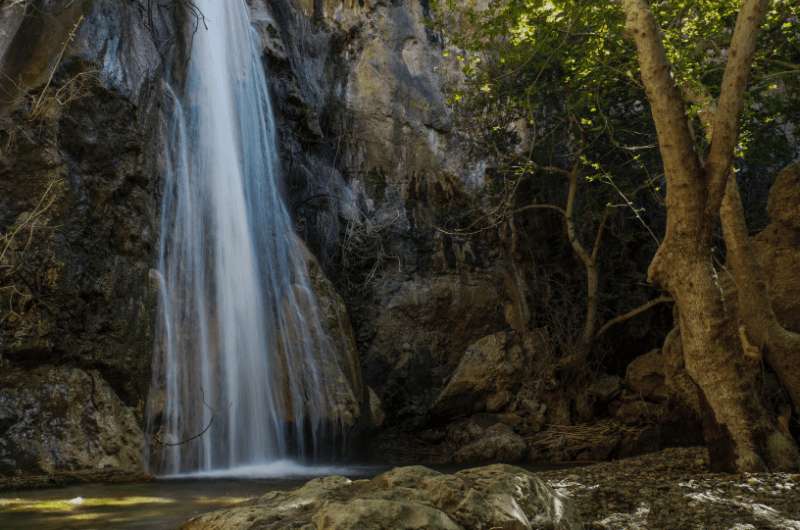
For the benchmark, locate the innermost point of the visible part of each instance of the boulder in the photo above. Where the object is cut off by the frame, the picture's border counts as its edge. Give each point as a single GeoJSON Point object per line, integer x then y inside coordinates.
{"type": "Point", "coordinates": [645, 376]}
{"type": "Point", "coordinates": [419, 331]}
{"type": "Point", "coordinates": [490, 372]}
{"type": "Point", "coordinates": [380, 513]}
{"type": "Point", "coordinates": [56, 419]}
{"type": "Point", "coordinates": [604, 388]}
{"type": "Point", "coordinates": [636, 411]}
{"type": "Point", "coordinates": [498, 443]}
{"type": "Point", "coordinates": [496, 496]}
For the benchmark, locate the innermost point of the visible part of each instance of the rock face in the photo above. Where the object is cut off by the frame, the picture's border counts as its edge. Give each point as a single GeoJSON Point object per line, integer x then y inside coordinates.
{"type": "Point", "coordinates": [497, 496]}
{"type": "Point", "coordinates": [343, 371]}
{"type": "Point", "coordinates": [82, 133]}
{"type": "Point", "coordinates": [64, 419]}
{"type": "Point", "coordinates": [373, 165]}
{"type": "Point", "coordinates": [420, 334]}
{"type": "Point", "coordinates": [777, 247]}
{"type": "Point", "coordinates": [79, 188]}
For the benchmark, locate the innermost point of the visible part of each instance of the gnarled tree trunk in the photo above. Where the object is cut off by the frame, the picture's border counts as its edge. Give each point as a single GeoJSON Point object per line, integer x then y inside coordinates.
{"type": "Point", "coordinates": [742, 434]}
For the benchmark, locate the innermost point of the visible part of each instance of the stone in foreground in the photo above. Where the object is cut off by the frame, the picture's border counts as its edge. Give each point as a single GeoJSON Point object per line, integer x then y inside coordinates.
{"type": "Point", "coordinates": [497, 496]}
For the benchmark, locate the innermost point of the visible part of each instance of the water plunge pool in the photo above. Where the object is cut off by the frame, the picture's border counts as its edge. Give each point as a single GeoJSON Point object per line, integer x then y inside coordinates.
{"type": "Point", "coordinates": [163, 503]}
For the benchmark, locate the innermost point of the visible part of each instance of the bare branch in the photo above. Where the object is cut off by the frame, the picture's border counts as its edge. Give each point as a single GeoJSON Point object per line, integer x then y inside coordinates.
{"type": "Point", "coordinates": [37, 104]}
{"type": "Point", "coordinates": [159, 441]}
{"type": "Point", "coordinates": [632, 313]}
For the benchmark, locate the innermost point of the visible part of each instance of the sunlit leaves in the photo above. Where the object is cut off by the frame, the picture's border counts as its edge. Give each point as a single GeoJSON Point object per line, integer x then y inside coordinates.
{"type": "Point", "coordinates": [567, 66]}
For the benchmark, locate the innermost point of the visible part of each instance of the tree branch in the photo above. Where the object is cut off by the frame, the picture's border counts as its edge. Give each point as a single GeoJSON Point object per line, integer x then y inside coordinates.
{"type": "Point", "coordinates": [725, 130]}
{"type": "Point", "coordinates": [632, 313]}
{"type": "Point", "coordinates": [681, 163]}
{"type": "Point", "coordinates": [572, 235]}
{"type": "Point", "coordinates": [600, 231]}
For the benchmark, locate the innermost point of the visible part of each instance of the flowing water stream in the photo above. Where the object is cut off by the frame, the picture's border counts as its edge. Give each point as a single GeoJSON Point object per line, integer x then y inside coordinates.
{"type": "Point", "coordinates": [237, 379]}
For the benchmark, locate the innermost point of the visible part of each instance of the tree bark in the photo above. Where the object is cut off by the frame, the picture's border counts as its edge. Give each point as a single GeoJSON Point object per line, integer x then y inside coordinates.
{"type": "Point", "coordinates": [725, 131]}
{"type": "Point", "coordinates": [589, 263]}
{"type": "Point", "coordinates": [757, 319]}
{"type": "Point", "coordinates": [741, 433]}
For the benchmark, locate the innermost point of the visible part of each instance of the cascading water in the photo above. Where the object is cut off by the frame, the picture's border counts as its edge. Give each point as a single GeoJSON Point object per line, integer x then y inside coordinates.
{"type": "Point", "coordinates": [238, 372]}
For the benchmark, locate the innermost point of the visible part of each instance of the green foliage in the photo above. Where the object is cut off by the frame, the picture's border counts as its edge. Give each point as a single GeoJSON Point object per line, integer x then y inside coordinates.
{"type": "Point", "coordinates": [556, 83]}
{"type": "Point", "coordinates": [563, 72]}
{"type": "Point", "coordinates": [553, 83]}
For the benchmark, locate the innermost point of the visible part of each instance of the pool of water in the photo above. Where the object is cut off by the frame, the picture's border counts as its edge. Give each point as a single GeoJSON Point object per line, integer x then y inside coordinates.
{"type": "Point", "coordinates": [160, 504]}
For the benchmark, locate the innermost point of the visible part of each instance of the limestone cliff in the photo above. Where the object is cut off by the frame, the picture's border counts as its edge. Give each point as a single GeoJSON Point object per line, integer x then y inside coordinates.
{"type": "Point", "coordinates": [453, 365]}
{"type": "Point", "coordinates": [368, 152]}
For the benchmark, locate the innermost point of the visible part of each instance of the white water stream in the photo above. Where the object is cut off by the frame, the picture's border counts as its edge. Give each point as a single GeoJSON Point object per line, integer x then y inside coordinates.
{"type": "Point", "coordinates": [237, 379]}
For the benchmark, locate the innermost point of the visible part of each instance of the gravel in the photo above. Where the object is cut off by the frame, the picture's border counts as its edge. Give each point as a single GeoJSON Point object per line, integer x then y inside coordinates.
{"type": "Point", "coordinates": [673, 489]}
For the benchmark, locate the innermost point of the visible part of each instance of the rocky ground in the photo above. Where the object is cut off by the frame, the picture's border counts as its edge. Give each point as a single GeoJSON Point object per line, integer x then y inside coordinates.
{"type": "Point", "coordinates": [668, 490]}
{"type": "Point", "coordinates": [673, 489]}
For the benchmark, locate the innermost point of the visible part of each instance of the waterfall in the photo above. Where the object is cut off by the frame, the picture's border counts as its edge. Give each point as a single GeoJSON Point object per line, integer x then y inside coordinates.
{"type": "Point", "coordinates": [237, 373]}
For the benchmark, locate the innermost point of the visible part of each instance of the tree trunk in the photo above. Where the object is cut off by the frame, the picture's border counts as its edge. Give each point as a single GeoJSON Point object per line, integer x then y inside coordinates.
{"type": "Point", "coordinates": [589, 262]}
{"type": "Point", "coordinates": [740, 431]}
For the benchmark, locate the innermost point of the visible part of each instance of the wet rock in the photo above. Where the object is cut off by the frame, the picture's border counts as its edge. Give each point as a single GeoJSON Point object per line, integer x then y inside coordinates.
{"type": "Point", "coordinates": [343, 372]}
{"type": "Point", "coordinates": [54, 420]}
{"type": "Point", "coordinates": [497, 496]}
{"type": "Point", "coordinates": [377, 415]}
